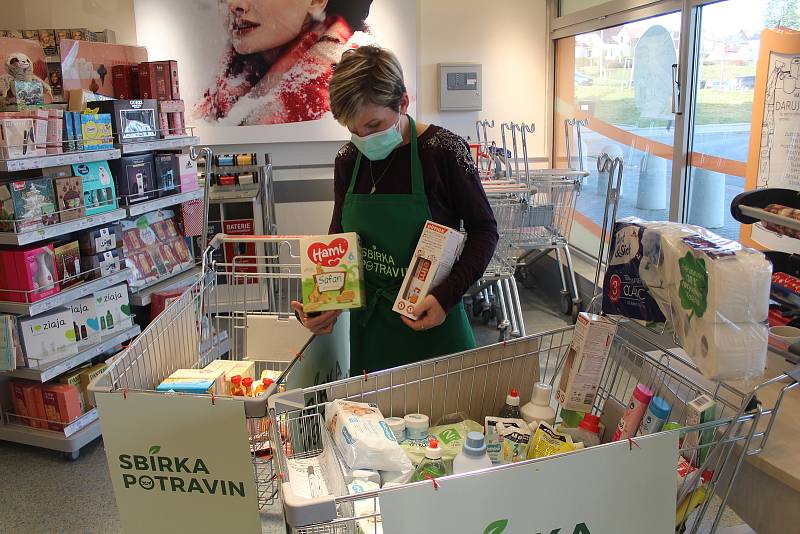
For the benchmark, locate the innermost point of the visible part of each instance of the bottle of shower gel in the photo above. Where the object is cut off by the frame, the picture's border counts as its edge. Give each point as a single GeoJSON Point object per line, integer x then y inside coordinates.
{"type": "Point", "coordinates": [511, 409]}
{"type": "Point", "coordinates": [632, 417]}
{"type": "Point", "coordinates": [432, 466]}
{"type": "Point", "coordinates": [539, 409]}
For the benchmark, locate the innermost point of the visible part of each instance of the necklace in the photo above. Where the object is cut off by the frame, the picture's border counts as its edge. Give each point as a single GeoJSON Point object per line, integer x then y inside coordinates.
{"type": "Point", "coordinates": [372, 177]}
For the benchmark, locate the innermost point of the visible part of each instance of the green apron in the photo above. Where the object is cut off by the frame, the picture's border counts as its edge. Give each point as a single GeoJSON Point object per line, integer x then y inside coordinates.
{"type": "Point", "coordinates": [389, 226]}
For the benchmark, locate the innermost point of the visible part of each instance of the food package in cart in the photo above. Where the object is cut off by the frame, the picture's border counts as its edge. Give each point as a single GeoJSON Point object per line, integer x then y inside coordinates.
{"type": "Point", "coordinates": [363, 438]}
{"type": "Point", "coordinates": [332, 272]}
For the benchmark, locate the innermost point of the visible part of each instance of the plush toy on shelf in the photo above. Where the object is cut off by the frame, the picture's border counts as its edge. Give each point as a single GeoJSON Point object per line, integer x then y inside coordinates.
{"type": "Point", "coordinates": [19, 78]}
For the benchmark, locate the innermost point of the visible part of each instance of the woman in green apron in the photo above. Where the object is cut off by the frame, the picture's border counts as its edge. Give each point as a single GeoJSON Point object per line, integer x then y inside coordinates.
{"type": "Point", "coordinates": [393, 176]}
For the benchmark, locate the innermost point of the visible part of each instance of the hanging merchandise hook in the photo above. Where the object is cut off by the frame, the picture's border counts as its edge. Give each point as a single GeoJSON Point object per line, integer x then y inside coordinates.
{"type": "Point", "coordinates": [505, 155]}
{"type": "Point", "coordinates": [612, 167]}
{"type": "Point", "coordinates": [577, 124]}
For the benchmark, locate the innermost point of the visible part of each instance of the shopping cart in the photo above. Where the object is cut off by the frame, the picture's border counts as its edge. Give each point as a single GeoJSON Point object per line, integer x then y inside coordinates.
{"type": "Point", "coordinates": [238, 308]}
{"type": "Point", "coordinates": [474, 384]}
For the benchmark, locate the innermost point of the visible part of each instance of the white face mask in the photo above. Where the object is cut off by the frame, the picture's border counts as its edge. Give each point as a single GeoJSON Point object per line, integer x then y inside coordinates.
{"type": "Point", "coordinates": [379, 145]}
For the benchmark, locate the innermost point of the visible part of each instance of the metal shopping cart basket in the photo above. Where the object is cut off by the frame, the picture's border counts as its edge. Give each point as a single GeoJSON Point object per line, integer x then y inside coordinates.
{"type": "Point", "coordinates": [239, 309]}
{"type": "Point", "coordinates": [475, 383]}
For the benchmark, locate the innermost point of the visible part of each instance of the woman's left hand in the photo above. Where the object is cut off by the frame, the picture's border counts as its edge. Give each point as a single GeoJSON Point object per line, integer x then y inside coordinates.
{"type": "Point", "coordinates": [430, 313]}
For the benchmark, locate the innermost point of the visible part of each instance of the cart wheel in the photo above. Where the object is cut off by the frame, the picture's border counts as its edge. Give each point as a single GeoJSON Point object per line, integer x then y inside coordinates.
{"type": "Point", "coordinates": [72, 456]}
{"type": "Point", "coordinates": [576, 309]}
{"type": "Point", "coordinates": [566, 302]}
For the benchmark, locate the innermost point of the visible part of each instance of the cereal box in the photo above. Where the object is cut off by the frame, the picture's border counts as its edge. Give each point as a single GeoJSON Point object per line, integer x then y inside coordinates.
{"type": "Point", "coordinates": [332, 272]}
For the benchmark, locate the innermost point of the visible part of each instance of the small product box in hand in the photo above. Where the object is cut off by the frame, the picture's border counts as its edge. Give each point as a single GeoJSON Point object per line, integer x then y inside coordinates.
{"type": "Point", "coordinates": [135, 178]}
{"type": "Point", "coordinates": [68, 264]}
{"type": "Point", "coordinates": [436, 252]}
{"type": "Point", "coordinates": [99, 194]}
{"type": "Point", "coordinates": [28, 274]}
{"type": "Point", "coordinates": [27, 205]}
{"type": "Point", "coordinates": [585, 361]}
{"type": "Point", "coordinates": [113, 308]}
{"type": "Point", "coordinates": [331, 268]}
{"type": "Point", "coordinates": [48, 336]}
{"type": "Point", "coordinates": [69, 196]}
{"type": "Point", "coordinates": [85, 322]}
{"type": "Point", "coordinates": [96, 131]}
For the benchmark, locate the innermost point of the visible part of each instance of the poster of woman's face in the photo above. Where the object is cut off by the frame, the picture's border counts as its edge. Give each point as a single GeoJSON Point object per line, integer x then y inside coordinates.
{"type": "Point", "coordinates": [258, 70]}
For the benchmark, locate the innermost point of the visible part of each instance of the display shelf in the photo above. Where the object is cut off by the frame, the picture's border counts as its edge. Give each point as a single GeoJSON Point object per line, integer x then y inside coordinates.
{"type": "Point", "coordinates": [63, 297]}
{"type": "Point", "coordinates": [141, 296]}
{"type": "Point", "coordinates": [236, 168]}
{"type": "Point", "coordinates": [56, 230]}
{"type": "Point", "coordinates": [83, 430]}
{"type": "Point", "coordinates": [51, 369]}
{"type": "Point", "coordinates": [161, 203]}
{"type": "Point", "coordinates": [219, 193]}
{"type": "Point", "coordinates": [54, 160]}
{"type": "Point", "coordinates": [159, 144]}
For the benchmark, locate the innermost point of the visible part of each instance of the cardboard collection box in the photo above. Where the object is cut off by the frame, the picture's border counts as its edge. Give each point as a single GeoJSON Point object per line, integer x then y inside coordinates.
{"type": "Point", "coordinates": [113, 308]}
{"type": "Point", "coordinates": [585, 361]}
{"type": "Point", "coordinates": [28, 274]}
{"type": "Point", "coordinates": [437, 250]}
{"type": "Point", "coordinates": [69, 198]}
{"type": "Point", "coordinates": [85, 322]}
{"type": "Point", "coordinates": [99, 193]}
{"type": "Point", "coordinates": [48, 336]}
{"type": "Point", "coordinates": [135, 178]}
{"type": "Point", "coordinates": [68, 264]}
{"type": "Point", "coordinates": [331, 271]}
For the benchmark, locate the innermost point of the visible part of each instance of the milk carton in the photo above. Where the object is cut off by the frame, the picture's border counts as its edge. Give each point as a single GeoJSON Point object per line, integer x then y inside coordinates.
{"type": "Point", "coordinates": [437, 250]}
{"type": "Point", "coordinates": [332, 272]}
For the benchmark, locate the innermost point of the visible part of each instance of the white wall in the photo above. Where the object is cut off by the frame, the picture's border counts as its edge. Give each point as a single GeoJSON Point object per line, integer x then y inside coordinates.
{"type": "Point", "coordinates": [509, 39]}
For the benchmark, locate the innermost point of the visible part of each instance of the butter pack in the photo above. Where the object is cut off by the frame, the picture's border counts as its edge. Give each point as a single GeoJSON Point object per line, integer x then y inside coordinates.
{"type": "Point", "coordinates": [332, 274]}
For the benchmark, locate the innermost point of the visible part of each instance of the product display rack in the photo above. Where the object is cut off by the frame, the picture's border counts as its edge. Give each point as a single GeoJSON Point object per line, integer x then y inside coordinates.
{"type": "Point", "coordinates": [171, 143]}
{"type": "Point", "coordinates": [60, 229]}
{"type": "Point", "coordinates": [54, 160]}
{"type": "Point", "coordinates": [163, 202]}
{"type": "Point", "coordinates": [141, 296]}
{"type": "Point", "coordinates": [51, 369]}
{"type": "Point", "coordinates": [82, 431]}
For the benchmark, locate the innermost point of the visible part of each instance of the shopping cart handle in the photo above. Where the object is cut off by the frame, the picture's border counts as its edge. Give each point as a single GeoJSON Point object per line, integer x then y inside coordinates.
{"type": "Point", "coordinates": [217, 241]}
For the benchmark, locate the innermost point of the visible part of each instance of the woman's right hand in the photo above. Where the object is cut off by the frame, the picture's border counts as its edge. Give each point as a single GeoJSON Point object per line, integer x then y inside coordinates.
{"type": "Point", "coordinates": [319, 324]}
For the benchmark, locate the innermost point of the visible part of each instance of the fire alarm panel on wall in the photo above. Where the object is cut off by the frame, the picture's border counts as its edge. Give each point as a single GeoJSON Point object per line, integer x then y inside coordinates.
{"type": "Point", "coordinates": [460, 87]}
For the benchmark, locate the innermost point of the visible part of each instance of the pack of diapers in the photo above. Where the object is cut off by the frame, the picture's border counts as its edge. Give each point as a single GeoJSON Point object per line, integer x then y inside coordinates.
{"type": "Point", "coordinates": [363, 438]}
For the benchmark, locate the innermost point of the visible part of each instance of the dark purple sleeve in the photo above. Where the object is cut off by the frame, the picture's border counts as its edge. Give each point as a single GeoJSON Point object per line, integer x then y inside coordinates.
{"type": "Point", "coordinates": [339, 190]}
{"type": "Point", "coordinates": [468, 201]}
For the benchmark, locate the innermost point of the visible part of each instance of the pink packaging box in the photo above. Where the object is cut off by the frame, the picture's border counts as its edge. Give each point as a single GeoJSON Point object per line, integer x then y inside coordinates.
{"type": "Point", "coordinates": [28, 274]}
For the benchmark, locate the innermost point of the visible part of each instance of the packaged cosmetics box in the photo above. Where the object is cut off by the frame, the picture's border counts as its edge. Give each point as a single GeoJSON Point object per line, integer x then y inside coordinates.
{"type": "Point", "coordinates": [85, 322]}
{"type": "Point", "coordinates": [167, 175]}
{"type": "Point", "coordinates": [17, 138]}
{"type": "Point", "coordinates": [48, 336]}
{"type": "Point", "coordinates": [73, 378]}
{"type": "Point", "coordinates": [28, 274]}
{"type": "Point", "coordinates": [332, 272]}
{"type": "Point", "coordinates": [96, 131]}
{"type": "Point", "coordinates": [126, 81]}
{"type": "Point", "coordinates": [55, 126]}
{"type": "Point", "coordinates": [135, 178]}
{"type": "Point", "coordinates": [99, 194]}
{"type": "Point", "coordinates": [89, 374]}
{"type": "Point", "coordinates": [437, 250]}
{"type": "Point", "coordinates": [68, 264]}
{"type": "Point", "coordinates": [60, 404]}
{"type": "Point", "coordinates": [23, 400]}
{"type": "Point", "coordinates": [159, 80]}
{"type": "Point", "coordinates": [187, 172]}
{"type": "Point", "coordinates": [113, 308]}
{"type": "Point", "coordinates": [27, 205]}
{"type": "Point", "coordinates": [103, 264]}
{"type": "Point", "coordinates": [131, 120]}
{"type": "Point", "coordinates": [69, 198]}
{"type": "Point", "coordinates": [585, 361]}
{"type": "Point", "coordinates": [97, 240]}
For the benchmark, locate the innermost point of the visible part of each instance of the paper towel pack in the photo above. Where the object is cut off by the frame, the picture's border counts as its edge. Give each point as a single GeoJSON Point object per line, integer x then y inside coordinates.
{"type": "Point", "coordinates": [714, 292]}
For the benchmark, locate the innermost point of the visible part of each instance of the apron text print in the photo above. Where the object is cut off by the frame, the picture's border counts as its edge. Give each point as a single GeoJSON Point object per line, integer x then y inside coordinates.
{"type": "Point", "coordinates": [382, 263]}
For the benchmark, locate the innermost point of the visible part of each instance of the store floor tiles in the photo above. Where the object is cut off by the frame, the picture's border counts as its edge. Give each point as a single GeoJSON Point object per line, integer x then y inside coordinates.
{"type": "Point", "coordinates": [43, 493]}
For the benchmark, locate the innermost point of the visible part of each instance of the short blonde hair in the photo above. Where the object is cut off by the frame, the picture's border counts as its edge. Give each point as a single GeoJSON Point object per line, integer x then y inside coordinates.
{"type": "Point", "coordinates": [365, 75]}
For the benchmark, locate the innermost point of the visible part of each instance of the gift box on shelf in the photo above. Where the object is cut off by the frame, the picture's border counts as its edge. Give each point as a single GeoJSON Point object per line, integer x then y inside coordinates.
{"type": "Point", "coordinates": [113, 308]}
{"type": "Point", "coordinates": [101, 239]}
{"type": "Point", "coordinates": [171, 118]}
{"type": "Point", "coordinates": [28, 274]}
{"type": "Point", "coordinates": [17, 138]}
{"type": "Point", "coordinates": [68, 264]}
{"type": "Point", "coordinates": [126, 81]}
{"type": "Point", "coordinates": [27, 205]}
{"type": "Point", "coordinates": [96, 131]}
{"type": "Point", "coordinates": [135, 178]}
{"type": "Point", "coordinates": [167, 176]}
{"type": "Point", "coordinates": [69, 197]}
{"type": "Point", "coordinates": [103, 264]}
{"type": "Point", "coordinates": [85, 322]}
{"type": "Point", "coordinates": [99, 194]}
{"type": "Point", "coordinates": [49, 336]}
{"type": "Point", "coordinates": [131, 120]}
{"type": "Point", "coordinates": [153, 248]}
{"type": "Point", "coordinates": [187, 171]}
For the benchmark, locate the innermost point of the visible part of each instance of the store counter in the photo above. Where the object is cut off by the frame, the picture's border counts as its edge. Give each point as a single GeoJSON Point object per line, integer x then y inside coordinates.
{"type": "Point", "coordinates": [767, 491]}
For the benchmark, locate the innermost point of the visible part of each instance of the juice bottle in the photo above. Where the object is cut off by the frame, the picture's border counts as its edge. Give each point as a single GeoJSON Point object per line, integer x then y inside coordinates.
{"type": "Point", "coordinates": [263, 385]}
{"type": "Point", "coordinates": [432, 466]}
{"type": "Point", "coordinates": [511, 409]}
{"type": "Point", "coordinates": [236, 386]}
{"type": "Point", "coordinates": [247, 384]}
